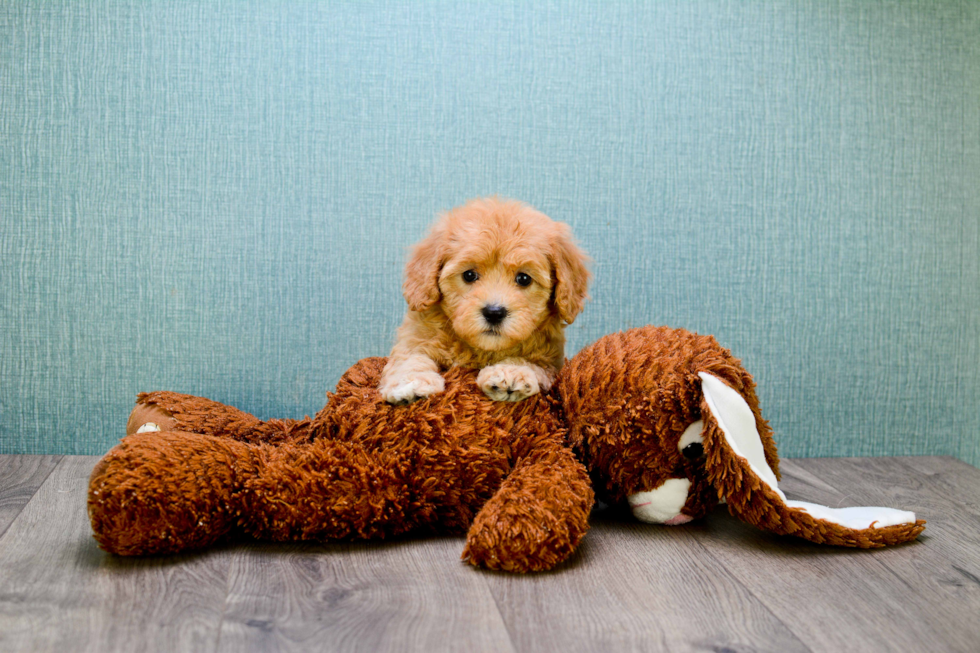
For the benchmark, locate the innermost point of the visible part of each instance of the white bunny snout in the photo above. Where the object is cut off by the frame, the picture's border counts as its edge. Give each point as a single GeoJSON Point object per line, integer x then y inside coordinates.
{"type": "Point", "coordinates": [663, 504]}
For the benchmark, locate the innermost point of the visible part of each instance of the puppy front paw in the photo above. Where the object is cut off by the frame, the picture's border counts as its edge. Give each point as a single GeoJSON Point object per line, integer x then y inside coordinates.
{"type": "Point", "coordinates": [405, 389]}
{"type": "Point", "coordinates": [508, 382]}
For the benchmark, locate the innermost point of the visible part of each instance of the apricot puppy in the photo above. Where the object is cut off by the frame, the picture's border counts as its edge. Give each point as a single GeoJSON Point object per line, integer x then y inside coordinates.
{"type": "Point", "coordinates": [491, 287]}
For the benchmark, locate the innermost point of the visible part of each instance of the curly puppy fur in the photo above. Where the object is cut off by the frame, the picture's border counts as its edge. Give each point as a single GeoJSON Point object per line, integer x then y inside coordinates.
{"type": "Point", "coordinates": [491, 287]}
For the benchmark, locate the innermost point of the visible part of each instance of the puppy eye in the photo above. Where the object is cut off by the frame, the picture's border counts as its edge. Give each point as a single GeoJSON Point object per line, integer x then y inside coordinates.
{"type": "Point", "coordinates": [523, 280]}
{"type": "Point", "coordinates": [470, 276]}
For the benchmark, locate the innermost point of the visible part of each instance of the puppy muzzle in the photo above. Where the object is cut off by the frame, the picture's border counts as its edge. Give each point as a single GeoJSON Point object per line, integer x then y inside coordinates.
{"type": "Point", "coordinates": [494, 314]}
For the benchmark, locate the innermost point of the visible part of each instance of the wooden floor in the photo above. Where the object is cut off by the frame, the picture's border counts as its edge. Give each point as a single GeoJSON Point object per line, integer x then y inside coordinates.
{"type": "Point", "coordinates": [716, 585]}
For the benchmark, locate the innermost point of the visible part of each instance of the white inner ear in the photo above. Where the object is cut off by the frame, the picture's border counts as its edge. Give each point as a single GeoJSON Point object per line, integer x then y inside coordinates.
{"type": "Point", "coordinates": [737, 423]}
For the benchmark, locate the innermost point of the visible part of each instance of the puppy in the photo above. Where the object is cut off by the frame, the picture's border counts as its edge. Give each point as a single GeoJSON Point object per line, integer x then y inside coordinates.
{"type": "Point", "coordinates": [491, 287]}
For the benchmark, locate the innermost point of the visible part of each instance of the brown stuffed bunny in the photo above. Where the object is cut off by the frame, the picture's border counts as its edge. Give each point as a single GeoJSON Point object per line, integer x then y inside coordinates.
{"type": "Point", "coordinates": [676, 427]}
{"type": "Point", "coordinates": [664, 419]}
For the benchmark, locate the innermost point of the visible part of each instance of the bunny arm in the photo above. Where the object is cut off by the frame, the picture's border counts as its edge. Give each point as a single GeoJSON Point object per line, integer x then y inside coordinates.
{"type": "Point", "coordinates": [538, 516]}
{"type": "Point", "coordinates": [737, 467]}
{"type": "Point", "coordinates": [172, 411]}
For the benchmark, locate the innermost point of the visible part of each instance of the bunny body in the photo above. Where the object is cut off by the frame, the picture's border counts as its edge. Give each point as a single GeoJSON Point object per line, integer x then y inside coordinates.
{"type": "Point", "coordinates": [361, 468]}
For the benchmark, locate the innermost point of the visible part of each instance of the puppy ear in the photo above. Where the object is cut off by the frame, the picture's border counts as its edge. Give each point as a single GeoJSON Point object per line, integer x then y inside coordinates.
{"type": "Point", "coordinates": [571, 274]}
{"type": "Point", "coordinates": [736, 465]}
{"type": "Point", "coordinates": [421, 286]}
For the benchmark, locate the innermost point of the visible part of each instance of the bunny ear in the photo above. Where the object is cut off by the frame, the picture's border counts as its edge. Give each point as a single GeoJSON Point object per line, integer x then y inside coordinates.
{"type": "Point", "coordinates": [736, 466]}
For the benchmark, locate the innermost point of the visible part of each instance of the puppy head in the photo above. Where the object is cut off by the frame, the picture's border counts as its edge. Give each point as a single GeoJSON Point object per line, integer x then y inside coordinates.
{"type": "Point", "coordinates": [499, 269]}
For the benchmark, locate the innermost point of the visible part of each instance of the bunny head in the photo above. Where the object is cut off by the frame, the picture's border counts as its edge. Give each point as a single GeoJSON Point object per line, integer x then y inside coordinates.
{"type": "Point", "coordinates": [668, 421]}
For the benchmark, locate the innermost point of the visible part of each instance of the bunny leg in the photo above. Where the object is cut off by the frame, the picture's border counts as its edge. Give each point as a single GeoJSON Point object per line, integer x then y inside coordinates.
{"type": "Point", "coordinates": [172, 411]}
{"type": "Point", "coordinates": [537, 518]}
{"type": "Point", "coordinates": [157, 493]}
{"type": "Point", "coordinates": [332, 489]}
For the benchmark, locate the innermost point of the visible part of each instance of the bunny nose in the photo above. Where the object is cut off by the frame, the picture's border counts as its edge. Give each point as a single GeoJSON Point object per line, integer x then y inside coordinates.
{"type": "Point", "coordinates": [494, 314]}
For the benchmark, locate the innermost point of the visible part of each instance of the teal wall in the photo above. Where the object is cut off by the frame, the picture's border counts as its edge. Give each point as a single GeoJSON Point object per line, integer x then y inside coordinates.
{"type": "Point", "coordinates": [216, 198]}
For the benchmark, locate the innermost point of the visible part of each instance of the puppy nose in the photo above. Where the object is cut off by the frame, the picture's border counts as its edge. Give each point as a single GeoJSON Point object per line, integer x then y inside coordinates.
{"type": "Point", "coordinates": [494, 314]}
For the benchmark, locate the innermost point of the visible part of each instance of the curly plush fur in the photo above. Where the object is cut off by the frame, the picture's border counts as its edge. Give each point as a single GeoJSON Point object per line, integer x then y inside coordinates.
{"type": "Point", "coordinates": [645, 410]}
{"type": "Point", "coordinates": [361, 468]}
{"type": "Point", "coordinates": [630, 436]}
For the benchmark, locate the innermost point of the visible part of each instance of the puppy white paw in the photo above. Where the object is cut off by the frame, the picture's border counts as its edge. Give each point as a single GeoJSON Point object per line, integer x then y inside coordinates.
{"type": "Point", "coordinates": [405, 389]}
{"type": "Point", "coordinates": [506, 382]}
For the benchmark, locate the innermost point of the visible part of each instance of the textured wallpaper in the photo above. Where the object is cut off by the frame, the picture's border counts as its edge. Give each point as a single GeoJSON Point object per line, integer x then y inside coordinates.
{"type": "Point", "coordinates": [216, 198]}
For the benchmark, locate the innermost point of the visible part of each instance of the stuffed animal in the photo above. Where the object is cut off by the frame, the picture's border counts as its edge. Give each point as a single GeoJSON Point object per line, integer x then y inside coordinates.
{"type": "Point", "coordinates": [662, 418]}
{"type": "Point", "coordinates": [669, 421]}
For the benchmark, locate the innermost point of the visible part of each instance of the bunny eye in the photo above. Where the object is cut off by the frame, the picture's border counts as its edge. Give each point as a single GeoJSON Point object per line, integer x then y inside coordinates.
{"type": "Point", "coordinates": [689, 443]}
{"type": "Point", "coordinates": [693, 451]}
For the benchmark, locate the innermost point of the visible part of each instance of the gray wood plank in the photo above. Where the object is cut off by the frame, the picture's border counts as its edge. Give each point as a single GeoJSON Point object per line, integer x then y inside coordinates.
{"type": "Point", "coordinates": [638, 587]}
{"type": "Point", "coordinates": [59, 592]}
{"type": "Point", "coordinates": [402, 596]}
{"type": "Point", "coordinates": [946, 498]}
{"type": "Point", "coordinates": [20, 477]}
{"type": "Point", "coordinates": [946, 573]}
{"type": "Point", "coordinates": [843, 599]}
{"type": "Point", "coordinates": [953, 479]}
